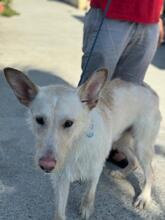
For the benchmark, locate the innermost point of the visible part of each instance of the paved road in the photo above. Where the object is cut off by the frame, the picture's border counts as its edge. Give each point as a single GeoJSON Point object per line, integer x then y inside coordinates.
{"type": "Point", "coordinates": [45, 41]}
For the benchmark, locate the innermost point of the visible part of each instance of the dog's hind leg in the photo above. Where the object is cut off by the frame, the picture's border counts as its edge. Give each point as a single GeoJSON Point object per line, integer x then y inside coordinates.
{"type": "Point", "coordinates": [124, 145]}
{"type": "Point", "coordinates": [145, 197]}
{"type": "Point", "coordinates": [144, 146]}
{"type": "Point", "coordinates": [87, 203]}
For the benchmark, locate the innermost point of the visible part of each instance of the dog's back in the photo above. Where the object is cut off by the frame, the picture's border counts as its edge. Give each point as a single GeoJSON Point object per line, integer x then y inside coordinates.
{"type": "Point", "coordinates": [128, 103]}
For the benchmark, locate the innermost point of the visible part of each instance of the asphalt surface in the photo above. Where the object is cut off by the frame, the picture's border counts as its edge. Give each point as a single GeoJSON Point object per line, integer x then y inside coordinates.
{"type": "Point", "coordinates": [45, 42]}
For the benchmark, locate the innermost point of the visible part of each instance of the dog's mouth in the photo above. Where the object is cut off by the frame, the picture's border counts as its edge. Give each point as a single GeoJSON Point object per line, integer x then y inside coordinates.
{"type": "Point", "coordinates": [47, 164]}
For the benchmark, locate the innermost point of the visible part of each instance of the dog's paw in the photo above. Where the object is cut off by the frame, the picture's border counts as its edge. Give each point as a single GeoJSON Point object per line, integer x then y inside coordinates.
{"type": "Point", "coordinates": [117, 174]}
{"type": "Point", "coordinates": [141, 202]}
{"type": "Point", "coordinates": [86, 211]}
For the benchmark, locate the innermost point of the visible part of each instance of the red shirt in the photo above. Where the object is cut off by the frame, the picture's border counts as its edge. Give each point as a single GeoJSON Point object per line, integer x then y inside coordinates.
{"type": "Point", "coordinates": [140, 11]}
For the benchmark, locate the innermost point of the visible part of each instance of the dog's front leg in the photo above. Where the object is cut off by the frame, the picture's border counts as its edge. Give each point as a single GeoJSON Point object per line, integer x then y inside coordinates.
{"type": "Point", "coordinates": [61, 197]}
{"type": "Point", "coordinates": [87, 203]}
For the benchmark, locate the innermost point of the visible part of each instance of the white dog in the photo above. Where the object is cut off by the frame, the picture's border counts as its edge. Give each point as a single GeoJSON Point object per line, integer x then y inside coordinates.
{"type": "Point", "coordinates": [75, 129]}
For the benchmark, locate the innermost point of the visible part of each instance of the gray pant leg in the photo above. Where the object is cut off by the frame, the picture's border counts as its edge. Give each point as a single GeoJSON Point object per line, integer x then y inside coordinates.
{"type": "Point", "coordinates": [112, 39]}
{"type": "Point", "coordinates": [139, 53]}
{"type": "Point", "coordinates": [125, 48]}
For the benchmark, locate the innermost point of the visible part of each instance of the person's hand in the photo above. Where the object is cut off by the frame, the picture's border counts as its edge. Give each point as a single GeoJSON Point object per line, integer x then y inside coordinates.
{"type": "Point", "coordinates": [161, 32]}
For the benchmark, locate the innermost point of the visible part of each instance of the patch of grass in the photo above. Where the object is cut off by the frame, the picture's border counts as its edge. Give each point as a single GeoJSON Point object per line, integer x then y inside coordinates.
{"type": "Point", "coordinates": [8, 11]}
{"type": "Point", "coordinates": [6, 2]}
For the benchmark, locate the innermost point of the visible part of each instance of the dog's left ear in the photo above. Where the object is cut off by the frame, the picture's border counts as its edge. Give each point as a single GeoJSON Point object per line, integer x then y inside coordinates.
{"type": "Point", "coordinates": [24, 89]}
{"type": "Point", "coordinates": [90, 90]}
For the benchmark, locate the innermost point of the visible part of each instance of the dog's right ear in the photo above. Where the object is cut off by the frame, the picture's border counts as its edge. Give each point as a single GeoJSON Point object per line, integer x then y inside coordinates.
{"type": "Point", "coordinates": [89, 92]}
{"type": "Point", "coordinates": [24, 89]}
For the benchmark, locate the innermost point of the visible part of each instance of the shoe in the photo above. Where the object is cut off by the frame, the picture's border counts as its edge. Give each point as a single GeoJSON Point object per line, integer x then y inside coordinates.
{"type": "Point", "coordinates": [121, 163]}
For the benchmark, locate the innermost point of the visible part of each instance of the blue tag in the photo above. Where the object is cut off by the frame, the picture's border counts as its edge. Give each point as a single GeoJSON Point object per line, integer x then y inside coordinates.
{"type": "Point", "coordinates": [90, 132]}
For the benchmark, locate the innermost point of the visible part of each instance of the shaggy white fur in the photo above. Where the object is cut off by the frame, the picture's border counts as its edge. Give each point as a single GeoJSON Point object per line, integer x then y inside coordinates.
{"type": "Point", "coordinates": [76, 127]}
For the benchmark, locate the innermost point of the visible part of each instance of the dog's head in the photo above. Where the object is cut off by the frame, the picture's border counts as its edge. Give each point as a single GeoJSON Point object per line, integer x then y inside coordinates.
{"type": "Point", "coordinates": [58, 114]}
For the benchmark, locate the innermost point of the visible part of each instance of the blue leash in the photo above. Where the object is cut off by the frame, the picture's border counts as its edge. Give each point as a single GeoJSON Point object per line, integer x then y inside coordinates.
{"type": "Point", "coordinates": [94, 42]}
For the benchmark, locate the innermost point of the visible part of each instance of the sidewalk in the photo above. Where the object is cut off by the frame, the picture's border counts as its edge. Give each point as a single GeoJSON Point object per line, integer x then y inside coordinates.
{"type": "Point", "coordinates": [47, 35]}
{"type": "Point", "coordinates": [45, 40]}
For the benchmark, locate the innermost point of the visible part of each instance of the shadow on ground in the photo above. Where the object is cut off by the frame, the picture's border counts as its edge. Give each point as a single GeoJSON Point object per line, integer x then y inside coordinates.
{"type": "Point", "coordinates": [160, 150]}
{"type": "Point", "coordinates": [62, 2]}
{"type": "Point", "coordinates": [26, 192]}
{"type": "Point", "coordinates": [159, 59]}
{"type": "Point", "coordinates": [79, 18]}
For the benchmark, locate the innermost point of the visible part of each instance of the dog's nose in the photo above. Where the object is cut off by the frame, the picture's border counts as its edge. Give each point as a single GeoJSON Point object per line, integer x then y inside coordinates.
{"type": "Point", "coordinates": [47, 163]}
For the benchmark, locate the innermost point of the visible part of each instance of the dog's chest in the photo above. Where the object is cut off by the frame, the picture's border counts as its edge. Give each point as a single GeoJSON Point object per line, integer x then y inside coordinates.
{"type": "Point", "coordinates": [90, 153]}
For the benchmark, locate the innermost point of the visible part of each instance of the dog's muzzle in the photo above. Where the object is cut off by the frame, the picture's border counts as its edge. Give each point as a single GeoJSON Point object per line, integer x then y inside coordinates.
{"type": "Point", "coordinates": [47, 162]}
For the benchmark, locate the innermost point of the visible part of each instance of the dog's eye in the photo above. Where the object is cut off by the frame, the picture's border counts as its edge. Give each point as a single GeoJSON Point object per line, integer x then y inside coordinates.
{"type": "Point", "coordinates": [68, 124]}
{"type": "Point", "coordinates": [40, 120]}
